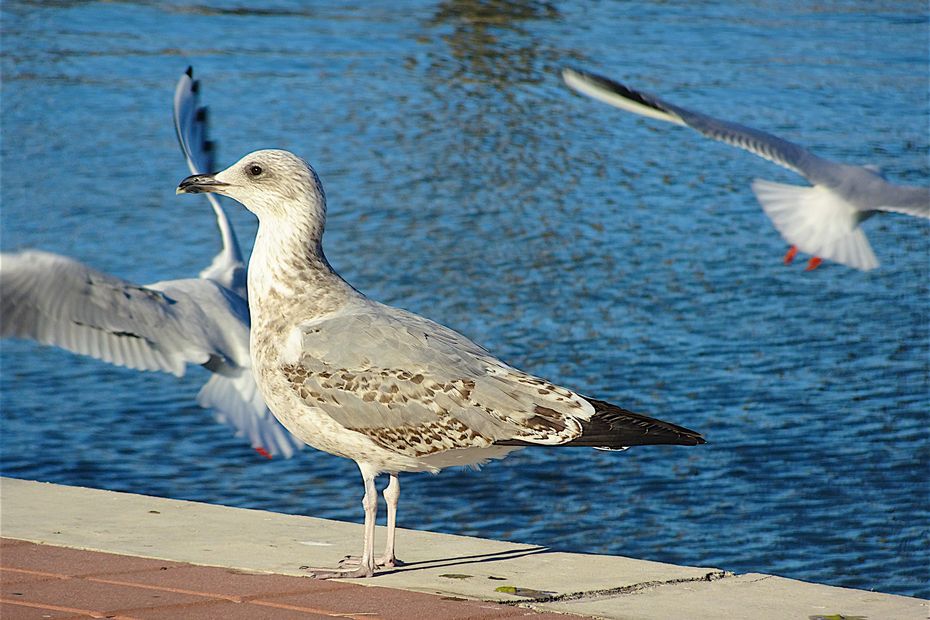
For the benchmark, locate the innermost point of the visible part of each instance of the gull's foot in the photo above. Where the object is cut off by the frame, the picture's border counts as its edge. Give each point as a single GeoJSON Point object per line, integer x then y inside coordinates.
{"type": "Point", "coordinates": [813, 263]}
{"type": "Point", "coordinates": [388, 562]}
{"type": "Point", "coordinates": [355, 572]}
{"type": "Point", "coordinates": [382, 562]}
{"type": "Point", "coordinates": [790, 254]}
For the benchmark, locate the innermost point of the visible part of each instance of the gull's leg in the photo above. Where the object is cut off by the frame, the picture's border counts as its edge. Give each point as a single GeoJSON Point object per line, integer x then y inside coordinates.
{"type": "Point", "coordinates": [790, 254]}
{"type": "Point", "coordinates": [370, 503]}
{"type": "Point", "coordinates": [391, 495]}
{"type": "Point", "coordinates": [813, 263]}
{"type": "Point", "coordinates": [366, 568]}
{"type": "Point", "coordinates": [389, 560]}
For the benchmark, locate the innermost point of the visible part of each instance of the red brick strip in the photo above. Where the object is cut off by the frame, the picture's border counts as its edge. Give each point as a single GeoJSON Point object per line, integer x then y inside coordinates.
{"type": "Point", "coordinates": [45, 581]}
{"type": "Point", "coordinates": [69, 610]}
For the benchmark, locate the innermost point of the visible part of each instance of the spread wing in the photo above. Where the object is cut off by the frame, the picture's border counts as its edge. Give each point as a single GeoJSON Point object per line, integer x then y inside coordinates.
{"type": "Point", "coordinates": [190, 125]}
{"type": "Point", "coordinates": [58, 301]}
{"type": "Point", "coordinates": [416, 387]}
{"type": "Point", "coordinates": [777, 150]}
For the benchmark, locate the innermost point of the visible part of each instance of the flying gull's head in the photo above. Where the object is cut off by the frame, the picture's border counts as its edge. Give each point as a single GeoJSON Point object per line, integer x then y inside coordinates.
{"type": "Point", "coordinates": [269, 183]}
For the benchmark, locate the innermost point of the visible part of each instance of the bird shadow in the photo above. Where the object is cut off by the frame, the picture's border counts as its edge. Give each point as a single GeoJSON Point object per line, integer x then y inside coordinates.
{"type": "Point", "coordinates": [465, 560]}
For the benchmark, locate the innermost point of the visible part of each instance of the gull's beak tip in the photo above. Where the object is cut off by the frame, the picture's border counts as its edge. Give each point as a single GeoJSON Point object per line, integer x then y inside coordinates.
{"type": "Point", "coordinates": [199, 184]}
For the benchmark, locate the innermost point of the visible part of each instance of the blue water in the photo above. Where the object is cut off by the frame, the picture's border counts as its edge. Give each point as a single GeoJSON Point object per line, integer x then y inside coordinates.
{"type": "Point", "coordinates": [621, 257]}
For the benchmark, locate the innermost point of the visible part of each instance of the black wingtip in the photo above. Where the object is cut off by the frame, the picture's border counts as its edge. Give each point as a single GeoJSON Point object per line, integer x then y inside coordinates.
{"type": "Point", "coordinates": [195, 87]}
{"type": "Point", "coordinates": [190, 72]}
{"type": "Point", "coordinates": [201, 114]}
{"type": "Point", "coordinates": [600, 80]}
{"type": "Point", "coordinates": [624, 91]}
{"type": "Point", "coordinates": [613, 427]}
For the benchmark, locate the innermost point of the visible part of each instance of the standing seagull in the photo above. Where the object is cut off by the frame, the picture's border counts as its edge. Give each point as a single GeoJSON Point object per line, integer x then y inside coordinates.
{"type": "Point", "coordinates": [822, 220]}
{"type": "Point", "coordinates": [389, 389]}
{"type": "Point", "coordinates": [163, 326]}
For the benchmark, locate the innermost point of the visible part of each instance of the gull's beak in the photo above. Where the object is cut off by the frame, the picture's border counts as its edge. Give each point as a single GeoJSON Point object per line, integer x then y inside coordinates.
{"type": "Point", "coordinates": [200, 184]}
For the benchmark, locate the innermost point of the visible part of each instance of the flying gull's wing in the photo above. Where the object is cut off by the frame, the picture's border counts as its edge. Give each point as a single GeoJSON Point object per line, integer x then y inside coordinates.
{"type": "Point", "coordinates": [778, 150]}
{"type": "Point", "coordinates": [56, 300]}
{"type": "Point", "coordinates": [190, 125]}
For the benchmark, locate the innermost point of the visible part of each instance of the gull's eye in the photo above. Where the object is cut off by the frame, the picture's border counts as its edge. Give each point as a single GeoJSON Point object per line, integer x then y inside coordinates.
{"type": "Point", "coordinates": [253, 170]}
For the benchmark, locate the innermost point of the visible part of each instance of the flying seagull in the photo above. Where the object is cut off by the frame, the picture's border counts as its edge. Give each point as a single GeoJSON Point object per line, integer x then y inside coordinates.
{"type": "Point", "coordinates": [822, 220]}
{"type": "Point", "coordinates": [389, 389]}
{"type": "Point", "coordinates": [163, 326]}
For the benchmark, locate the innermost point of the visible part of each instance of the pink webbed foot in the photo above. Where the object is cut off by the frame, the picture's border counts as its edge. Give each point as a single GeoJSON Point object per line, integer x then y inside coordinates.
{"type": "Point", "coordinates": [382, 562]}
{"type": "Point", "coordinates": [389, 562]}
{"type": "Point", "coordinates": [356, 572]}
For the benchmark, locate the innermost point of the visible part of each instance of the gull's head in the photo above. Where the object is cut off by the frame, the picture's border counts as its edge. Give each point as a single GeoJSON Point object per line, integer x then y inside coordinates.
{"type": "Point", "coordinates": [269, 183]}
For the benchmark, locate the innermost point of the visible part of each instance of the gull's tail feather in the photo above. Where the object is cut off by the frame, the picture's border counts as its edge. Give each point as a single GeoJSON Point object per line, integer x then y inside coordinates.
{"type": "Point", "coordinates": [817, 221]}
{"type": "Point", "coordinates": [616, 94]}
{"type": "Point", "coordinates": [237, 403]}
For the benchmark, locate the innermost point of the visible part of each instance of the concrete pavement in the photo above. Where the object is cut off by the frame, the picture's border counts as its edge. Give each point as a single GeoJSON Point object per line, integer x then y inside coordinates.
{"type": "Point", "coordinates": [522, 576]}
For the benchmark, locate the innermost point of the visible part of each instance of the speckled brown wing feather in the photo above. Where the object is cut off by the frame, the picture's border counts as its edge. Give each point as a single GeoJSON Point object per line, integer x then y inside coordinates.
{"type": "Point", "coordinates": [416, 387]}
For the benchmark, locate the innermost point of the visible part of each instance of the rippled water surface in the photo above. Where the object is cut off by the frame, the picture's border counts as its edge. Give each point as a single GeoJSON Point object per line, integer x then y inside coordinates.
{"type": "Point", "coordinates": [625, 258]}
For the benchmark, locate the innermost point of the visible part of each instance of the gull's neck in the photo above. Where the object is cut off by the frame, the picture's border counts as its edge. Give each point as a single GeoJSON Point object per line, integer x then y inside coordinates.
{"type": "Point", "coordinates": [288, 270]}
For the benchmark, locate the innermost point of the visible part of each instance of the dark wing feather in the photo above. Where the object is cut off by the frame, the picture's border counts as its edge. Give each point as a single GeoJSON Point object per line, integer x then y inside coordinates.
{"type": "Point", "coordinates": [613, 427]}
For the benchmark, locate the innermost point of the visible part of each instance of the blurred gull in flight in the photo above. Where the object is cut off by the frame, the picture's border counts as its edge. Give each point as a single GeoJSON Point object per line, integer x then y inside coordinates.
{"type": "Point", "coordinates": [389, 389]}
{"type": "Point", "coordinates": [822, 220]}
{"type": "Point", "coordinates": [162, 326]}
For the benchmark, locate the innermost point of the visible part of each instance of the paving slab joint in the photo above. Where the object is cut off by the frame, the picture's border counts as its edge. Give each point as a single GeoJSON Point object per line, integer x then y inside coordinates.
{"type": "Point", "coordinates": [609, 592]}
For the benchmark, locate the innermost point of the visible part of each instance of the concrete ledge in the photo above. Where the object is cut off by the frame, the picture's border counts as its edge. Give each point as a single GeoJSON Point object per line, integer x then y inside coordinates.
{"type": "Point", "coordinates": [473, 568]}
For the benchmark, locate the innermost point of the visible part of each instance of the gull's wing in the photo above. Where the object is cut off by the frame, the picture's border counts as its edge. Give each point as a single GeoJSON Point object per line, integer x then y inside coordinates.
{"type": "Point", "coordinates": [906, 199]}
{"type": "Point", "coordinates": [190, 125]}
{"type": "Point", "coordinates": [164, 326]}
{"type": "Point", "coordinates": [778, 150]}
{"type": "Point", "coordinates": [416, 387]}
{"type": "Point", "coordinates": [59, 301]}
